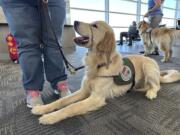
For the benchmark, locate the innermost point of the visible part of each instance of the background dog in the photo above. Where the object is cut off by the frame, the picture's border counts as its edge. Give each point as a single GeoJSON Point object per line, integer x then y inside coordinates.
{"type": "Point", "coordinates": [163, 38]}
{"type": "Point", "coordinates": [101, 63]}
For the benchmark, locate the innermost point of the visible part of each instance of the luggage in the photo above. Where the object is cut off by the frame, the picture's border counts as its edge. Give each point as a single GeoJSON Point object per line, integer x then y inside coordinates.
{"type": "Point", "coordinates": [12, 48]}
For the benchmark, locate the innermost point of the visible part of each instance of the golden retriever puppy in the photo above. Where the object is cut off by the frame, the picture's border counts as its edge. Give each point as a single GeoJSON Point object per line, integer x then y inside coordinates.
{"type": "Point", "coordinates": [162, 37]}
{"type": "Point", "coordinates": [102, 64]}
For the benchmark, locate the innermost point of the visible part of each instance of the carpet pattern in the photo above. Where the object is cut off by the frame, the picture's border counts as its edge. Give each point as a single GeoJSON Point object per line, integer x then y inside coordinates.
{"type": "Point", "coordinates": [132, 114]}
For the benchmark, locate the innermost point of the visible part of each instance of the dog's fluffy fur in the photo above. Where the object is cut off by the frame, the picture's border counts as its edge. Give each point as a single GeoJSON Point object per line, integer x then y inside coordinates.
{"type": "Point", "coordinates": [163, 38]}
{"type": "Point", "coordinates": [98, 37]}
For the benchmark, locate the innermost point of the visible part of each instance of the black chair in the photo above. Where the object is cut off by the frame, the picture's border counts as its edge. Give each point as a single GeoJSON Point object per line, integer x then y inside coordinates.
{"type": "Point", "coordinates": [134, 37]}
{"type": "Point", "coordinates": [178, 24]}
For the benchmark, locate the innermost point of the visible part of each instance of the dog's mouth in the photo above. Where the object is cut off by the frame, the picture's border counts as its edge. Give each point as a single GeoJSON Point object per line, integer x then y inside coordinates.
{"type": "Point", "coordinates": [82, 40]}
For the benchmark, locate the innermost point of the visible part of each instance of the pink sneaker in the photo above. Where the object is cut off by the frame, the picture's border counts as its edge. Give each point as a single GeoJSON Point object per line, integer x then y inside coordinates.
{"type": "Point", "coordinates": [33, 98]}
{"type": "Point", "coordinates": [62, 86]}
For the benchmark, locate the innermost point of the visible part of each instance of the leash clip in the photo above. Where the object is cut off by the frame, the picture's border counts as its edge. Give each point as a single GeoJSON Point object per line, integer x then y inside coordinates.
{"type": "Point", "coordinates": [71, 71]}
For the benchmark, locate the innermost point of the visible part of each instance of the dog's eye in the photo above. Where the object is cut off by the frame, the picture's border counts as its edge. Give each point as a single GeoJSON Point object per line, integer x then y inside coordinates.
{"type": "Point", "coordinates": [94, 25]}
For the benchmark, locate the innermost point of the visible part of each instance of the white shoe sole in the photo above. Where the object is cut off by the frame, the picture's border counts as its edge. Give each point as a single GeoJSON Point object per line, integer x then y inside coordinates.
{"type": "Point", "coordinates": [29, 106]}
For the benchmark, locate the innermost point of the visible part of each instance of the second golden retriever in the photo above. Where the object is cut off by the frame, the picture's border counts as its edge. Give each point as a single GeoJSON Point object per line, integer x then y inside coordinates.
{"type": "Point", "coordinates": [101, 63]}
{"type": "Point", "coordinates": [163, 38]}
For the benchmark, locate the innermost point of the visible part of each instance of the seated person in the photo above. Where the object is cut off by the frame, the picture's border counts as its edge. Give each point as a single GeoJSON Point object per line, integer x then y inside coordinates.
{"type": "Point", "coordinates": [132, 34]}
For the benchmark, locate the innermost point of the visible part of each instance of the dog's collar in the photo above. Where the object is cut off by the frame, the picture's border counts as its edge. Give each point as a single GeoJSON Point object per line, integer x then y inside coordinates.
{"type": "Point", "coordinates": [103, 65]}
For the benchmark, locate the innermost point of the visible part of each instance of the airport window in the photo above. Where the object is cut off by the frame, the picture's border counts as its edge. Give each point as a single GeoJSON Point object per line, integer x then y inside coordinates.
{"type": "Point", "coordinates": [120, 13]}
{"type": "Point", "coordinates": [168, 22]}
{"type": "Point", "coordinates": [123, 6]}
{"type": "Point", "coordinates": [88, 4]}
{"type": "Point", "coordinates": [143, 8]}
{"type": "Point", "coordinates": [122, 21]}
{"type": "Point", "coordinates": [86, 16]}
{"type": "Point", "coordinates": [169, 13]}
{"type": "Point", "coordinates": [121, 16]}
{"type": "Point", "coordinates": [170, 3]}
{"type": "Point", "coordinates": [144, 1]}
{"type": "Point", "coordinates": [87, 11]}
{"type": "Point", "coordinates": [118, 30]}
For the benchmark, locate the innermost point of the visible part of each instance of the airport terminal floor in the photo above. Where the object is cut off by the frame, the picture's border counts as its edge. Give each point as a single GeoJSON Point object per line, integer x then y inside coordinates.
{"type": "Point", "coordinates": [131, 114]}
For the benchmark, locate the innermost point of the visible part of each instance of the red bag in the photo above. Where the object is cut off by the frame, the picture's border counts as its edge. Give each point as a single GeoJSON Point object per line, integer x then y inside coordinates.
{"type": "Point", "coordinates": [12, 47]}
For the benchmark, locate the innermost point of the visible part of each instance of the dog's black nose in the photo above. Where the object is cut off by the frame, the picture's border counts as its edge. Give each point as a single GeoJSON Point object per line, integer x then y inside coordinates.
{"type": "Point", "coordinates": [76, 23]}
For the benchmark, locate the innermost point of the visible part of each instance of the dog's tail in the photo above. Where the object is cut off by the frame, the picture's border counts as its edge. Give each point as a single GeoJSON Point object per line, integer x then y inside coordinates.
{"type": "Point", "coordinates": [169, 76]}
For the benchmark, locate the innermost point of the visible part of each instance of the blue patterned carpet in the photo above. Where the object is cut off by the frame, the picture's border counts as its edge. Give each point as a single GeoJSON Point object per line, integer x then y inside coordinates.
{"type": "Point", "coordinates": [131, 114]}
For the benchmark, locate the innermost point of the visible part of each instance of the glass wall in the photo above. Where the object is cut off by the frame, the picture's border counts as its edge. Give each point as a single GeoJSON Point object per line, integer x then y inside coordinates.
{"type": "Point", "coordinates": [143, 8]}
{"type": "Point", "coordinates": [123, 6]}
{"type": "Point", "coordinates": [87, 10]}
{"type": "Point", "coordinates": [86, 16]}
{"type": "Point", "coordinates": [88, 4]}
{"type": "Point", "coordinates": [170, 4]}
{"type": "Point", "coordinates": [118, 13]}
{"type": "Point", "coordinates": [121, 15]}
{"type": "Point", "coordinates": [169, 11]}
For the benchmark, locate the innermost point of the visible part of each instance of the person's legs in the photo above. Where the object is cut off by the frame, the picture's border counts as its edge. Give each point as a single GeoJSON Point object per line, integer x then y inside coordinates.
{"type": "Point", "coordinates": [122, 34]}
{"type": "Point", "coordinates": [53, 61]}
{"type": "Point", "coordinates": [24, 24]}
{"type": "Point", "coordinates": [154, 23]}
{"type": "Point", "coordinates": [121, 38]}
{"type": "Point", "coordinates": [130, 39]}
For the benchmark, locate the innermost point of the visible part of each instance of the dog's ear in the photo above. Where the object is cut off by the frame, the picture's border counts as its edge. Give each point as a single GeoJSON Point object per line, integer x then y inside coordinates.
{"type": "Point", "coordinates": [107, 45]}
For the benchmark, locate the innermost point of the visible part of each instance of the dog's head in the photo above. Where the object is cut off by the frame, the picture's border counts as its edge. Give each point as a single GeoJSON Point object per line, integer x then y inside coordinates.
{"type": "Point", "coordinates": [143, 26]}
{"type": "Point", "coordinates": [97, 36]}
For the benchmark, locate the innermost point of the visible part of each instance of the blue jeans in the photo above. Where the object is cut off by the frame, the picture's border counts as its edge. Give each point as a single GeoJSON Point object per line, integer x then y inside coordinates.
{"type": "Point", "coordinates": [35, 39]}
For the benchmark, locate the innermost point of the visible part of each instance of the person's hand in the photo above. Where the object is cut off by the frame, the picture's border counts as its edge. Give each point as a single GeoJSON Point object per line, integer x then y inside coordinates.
{"type": "Point", "coordinates": [146, 14]}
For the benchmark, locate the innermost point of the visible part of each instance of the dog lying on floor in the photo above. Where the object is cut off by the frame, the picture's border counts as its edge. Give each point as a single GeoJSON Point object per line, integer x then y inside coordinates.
{"type": "Point", "coordinates": [163, 38]}
{"type": "Point", "coordinates": [103, 65]}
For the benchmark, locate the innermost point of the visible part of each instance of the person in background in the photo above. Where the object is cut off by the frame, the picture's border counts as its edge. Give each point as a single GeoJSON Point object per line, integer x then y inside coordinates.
{"type": "Point", "coordinates": [132, 33]}
{"type": "Point", "coordinates": [154, 15]}
{"type": "Point", "coordinates": [154, 12]}
{"type": "Point", "coordinates": [35, 39]}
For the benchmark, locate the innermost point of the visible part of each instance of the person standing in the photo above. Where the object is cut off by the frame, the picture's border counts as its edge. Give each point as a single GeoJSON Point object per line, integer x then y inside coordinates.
{"type": "Point", "coordinates": [35, 40]}
{"type": "Point", "coordinates": [154, 15]}
{"type": "Point", "coordinates": [154, 12]}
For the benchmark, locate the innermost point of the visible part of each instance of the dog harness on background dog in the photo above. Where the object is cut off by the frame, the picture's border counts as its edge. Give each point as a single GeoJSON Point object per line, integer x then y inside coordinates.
{"type": "Point", "coordinates": [127, 76]}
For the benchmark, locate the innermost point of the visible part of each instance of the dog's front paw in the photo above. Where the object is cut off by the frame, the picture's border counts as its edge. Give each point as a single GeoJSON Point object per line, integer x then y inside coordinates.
{"type": "Point", "coordinates": [39, 110]}
{"type": "Point", "coordinates": [48, 119]}
{"type": "Point", "coordinates": [151, 95]}
{"type": "Point", "coordinates": [164, 60]}
{"type": "Point", "coordinates": [145, 54]}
